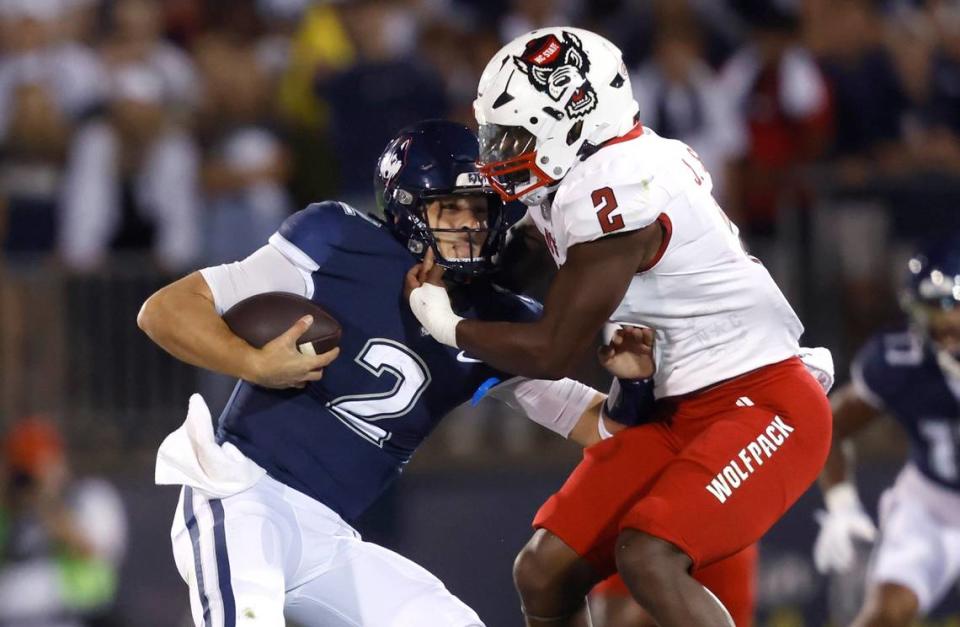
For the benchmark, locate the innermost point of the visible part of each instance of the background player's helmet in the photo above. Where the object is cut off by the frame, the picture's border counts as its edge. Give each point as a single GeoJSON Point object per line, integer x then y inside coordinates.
{"type": "Point", "coordinates": [543, 100]}
{"type": "Point", "coordinates": [933, 284]}
{"type": "Point", "coordinates": [427, 161]}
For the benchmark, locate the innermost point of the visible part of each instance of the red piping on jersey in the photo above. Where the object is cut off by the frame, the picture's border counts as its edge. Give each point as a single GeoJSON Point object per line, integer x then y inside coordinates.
{"type": "Point", "coordinates": [667, 225]}
{"type": "Point", "coordinates": [633, 133]}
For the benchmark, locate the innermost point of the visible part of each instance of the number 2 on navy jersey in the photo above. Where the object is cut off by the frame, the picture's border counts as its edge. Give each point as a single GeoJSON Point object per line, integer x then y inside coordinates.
{"type": "Point", "coordinates": [359, 411]}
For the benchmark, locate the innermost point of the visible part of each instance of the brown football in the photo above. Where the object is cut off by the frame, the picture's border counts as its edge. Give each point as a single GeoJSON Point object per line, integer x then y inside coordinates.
{"type": "Point", "coordinates": [263, 317]}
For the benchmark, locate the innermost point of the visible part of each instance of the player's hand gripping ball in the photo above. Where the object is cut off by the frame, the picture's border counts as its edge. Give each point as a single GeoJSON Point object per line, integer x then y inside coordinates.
{"type": "Point", "coordinates": [296, 336]}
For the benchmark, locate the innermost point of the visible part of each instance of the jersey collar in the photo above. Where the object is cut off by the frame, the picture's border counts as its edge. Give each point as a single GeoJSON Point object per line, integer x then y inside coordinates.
{"type": "Point", "coordinates": [633, 133]}
{"type": "Point", "coordinates": [588, 150]}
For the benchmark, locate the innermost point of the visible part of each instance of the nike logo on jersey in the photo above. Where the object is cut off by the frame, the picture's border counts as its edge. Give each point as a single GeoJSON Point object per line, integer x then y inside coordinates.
{"type": "Point", "coordinates": [462, 357]}
{"type": "Point", "coordinates": [763, 446]}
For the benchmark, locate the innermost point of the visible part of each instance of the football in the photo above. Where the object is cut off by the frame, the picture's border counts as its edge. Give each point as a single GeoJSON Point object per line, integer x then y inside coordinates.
{"type": "Point", "coordinates": [263, 317]}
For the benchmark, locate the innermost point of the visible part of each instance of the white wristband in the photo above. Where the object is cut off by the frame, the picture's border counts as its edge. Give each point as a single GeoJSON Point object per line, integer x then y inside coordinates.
{"type": "Point", "coordinates": [841, 498]}
{"type": "Point", "coordinates": [431, 305]}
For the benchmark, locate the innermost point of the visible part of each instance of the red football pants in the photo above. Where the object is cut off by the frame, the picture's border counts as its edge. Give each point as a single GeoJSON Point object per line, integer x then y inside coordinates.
{"type": "Point", "coordinates": [711, 476]}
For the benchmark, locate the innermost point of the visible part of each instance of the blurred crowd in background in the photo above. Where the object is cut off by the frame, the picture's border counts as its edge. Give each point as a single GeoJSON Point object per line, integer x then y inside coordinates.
{"type": "Point", "coordinates": [190, 128]}
{"type": "Point", "coordinates": [141, 139]}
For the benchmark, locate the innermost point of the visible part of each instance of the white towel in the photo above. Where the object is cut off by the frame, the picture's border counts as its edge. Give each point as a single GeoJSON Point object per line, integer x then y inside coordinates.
{"type": "Point", "coordinates": [819, 363]}
{"type": "Point", "coordinates": [190, 456]}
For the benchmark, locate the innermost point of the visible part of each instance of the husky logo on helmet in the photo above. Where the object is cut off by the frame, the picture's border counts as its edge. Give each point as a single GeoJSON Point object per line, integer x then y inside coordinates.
{"type": "Point", "coordinates": [392, 160]}
{"type": "Point", "coordinates": [553, 65]}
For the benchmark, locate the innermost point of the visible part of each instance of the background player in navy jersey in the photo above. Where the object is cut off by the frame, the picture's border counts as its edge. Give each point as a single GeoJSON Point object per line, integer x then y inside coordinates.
{"type": "Point", "coordinates": [261, 529]}
{"type": "Point", "coordinates": [913, 376]}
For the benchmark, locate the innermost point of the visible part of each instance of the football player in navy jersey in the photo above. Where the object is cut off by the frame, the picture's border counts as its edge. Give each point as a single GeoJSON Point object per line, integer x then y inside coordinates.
{"type": "Point", "coordinates": [261, 528]}
{"type": "Point", "coordinates": [913, 376]}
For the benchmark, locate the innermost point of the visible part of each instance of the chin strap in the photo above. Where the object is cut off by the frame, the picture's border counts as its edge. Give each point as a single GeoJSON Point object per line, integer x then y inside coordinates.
{"type": "Point", "coordinates": [535, 197]}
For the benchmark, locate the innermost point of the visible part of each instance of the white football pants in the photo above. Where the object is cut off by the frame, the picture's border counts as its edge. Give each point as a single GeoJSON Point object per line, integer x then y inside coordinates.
{"type": "Point", "coordinates": [919, 545]}
{"type": "Point", "coordinates": [271, 552]}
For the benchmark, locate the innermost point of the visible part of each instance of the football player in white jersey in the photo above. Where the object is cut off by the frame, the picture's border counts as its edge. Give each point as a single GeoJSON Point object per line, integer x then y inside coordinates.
{"type": "Point", "coordinates": [639, 240]}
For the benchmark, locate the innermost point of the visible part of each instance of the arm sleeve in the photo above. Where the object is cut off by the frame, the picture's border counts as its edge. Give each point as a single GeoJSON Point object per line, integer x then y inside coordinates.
{"type": "Point", "coordinates": [556, 405]}
{"type": "Point", "coordinates": [266, 270]}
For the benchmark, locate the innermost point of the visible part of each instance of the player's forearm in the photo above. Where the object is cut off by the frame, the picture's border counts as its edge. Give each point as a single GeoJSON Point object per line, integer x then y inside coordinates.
{"type": "Point", "coordinates": [576, 307]}
{"type": "Point", "coordinates": [850, 414]}
{"type": "Point", "coordinates": [183, 321]}
{"type": "Point", "coordinates": [587, 430]}
{"type": "Point", "coordinates": [837, 468]}
{"type": "Point", "coordinates": [526, 349]}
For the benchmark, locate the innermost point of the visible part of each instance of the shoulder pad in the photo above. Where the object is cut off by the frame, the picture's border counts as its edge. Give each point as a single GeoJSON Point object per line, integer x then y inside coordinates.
{"type": "Point", "coordinates": [607, 209]}
{"type": "Point", "coordinates": [880, 366]}
{"type": "Point", "coordinates": [522, 308]}
{"type": "Point", "coordinates": [609, 197]}
{"type": "Point", "coordinates": [501, 304]}
{"type": "Point", "coordinates": [318, 228]}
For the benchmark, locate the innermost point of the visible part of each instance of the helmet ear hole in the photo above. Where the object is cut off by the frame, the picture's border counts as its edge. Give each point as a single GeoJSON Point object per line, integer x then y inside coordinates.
{"type": "Point", "coordinates": [415, 246]}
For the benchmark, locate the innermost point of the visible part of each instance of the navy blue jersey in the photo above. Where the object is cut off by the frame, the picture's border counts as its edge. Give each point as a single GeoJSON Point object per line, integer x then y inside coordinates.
{"type": "Point", "coordinates": [901, 375]}
{"type": "Point", "coordinates": [344, 438]}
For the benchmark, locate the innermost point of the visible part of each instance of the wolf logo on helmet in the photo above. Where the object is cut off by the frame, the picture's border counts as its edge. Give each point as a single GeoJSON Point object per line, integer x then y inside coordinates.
{"type": "Point", "coordinates": [532, 132]}
{"type": "Point", "coordinates": [553, 65]}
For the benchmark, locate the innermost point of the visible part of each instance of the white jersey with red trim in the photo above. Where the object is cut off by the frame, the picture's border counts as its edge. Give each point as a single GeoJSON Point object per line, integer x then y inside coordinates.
{"type": "Point", "coordinates": [716, 311]}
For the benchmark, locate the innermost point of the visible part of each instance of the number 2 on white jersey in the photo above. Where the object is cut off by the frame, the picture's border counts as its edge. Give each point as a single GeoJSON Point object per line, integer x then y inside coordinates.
{"type": "Point", "coordinates": [359, 411]}
{"type": "Point", "coordinates": [606, 203]}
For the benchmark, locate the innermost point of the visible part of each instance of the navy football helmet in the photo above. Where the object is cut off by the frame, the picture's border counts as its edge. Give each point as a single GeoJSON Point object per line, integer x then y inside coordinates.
{"type": "Point", "coordinates": [933, 279]}
{"type": "Point", "coordinates": [933, 287]}
{"type": "Point", "coordinates": [430, 161]}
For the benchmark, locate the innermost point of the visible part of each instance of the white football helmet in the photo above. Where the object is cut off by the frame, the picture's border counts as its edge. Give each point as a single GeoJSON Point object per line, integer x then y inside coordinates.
{"type": "Point", "coordinates": [542, 101]}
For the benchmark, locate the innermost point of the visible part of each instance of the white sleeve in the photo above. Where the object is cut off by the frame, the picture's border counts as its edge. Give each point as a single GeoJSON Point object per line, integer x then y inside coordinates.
{"type": "Point", "coordinates": [556, 405]}
{"type": "Point", "coordinates": [266, 270]}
